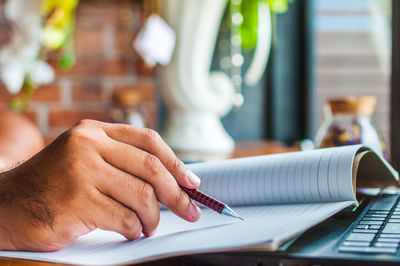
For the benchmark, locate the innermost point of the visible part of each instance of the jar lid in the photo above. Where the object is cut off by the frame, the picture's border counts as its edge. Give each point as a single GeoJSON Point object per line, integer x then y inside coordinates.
{"type": "Point", "coordinates": [127, 97]}
{"type": "Point", "coordinates": [364, 105]}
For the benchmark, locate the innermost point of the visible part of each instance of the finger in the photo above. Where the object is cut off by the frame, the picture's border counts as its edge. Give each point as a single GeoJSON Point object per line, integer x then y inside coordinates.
{"type": "Point", "coordinates": [150, 141]}
{"type": "Point", "coordinates": [150, 169]}
{"type": "Point", "coordinates": [113, 216]}
{"type": "Point", "coordinates": [134, 193]}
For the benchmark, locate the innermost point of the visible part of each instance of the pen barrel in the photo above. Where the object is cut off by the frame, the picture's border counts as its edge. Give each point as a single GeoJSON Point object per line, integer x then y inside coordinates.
{"type": "Point", "coordinates": [204, 199]}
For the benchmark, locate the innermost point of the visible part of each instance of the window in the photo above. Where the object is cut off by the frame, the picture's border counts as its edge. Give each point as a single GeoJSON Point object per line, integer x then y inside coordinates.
{"type": "Point", "coordinates": [353, 54]}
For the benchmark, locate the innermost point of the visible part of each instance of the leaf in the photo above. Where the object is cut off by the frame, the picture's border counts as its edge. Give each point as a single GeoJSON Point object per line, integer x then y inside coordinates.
{"type": "Point", "coordinates": [249, 26]}
{"type": "Point", "coordinates": [66, 61]}
{"type": "Point", "coordinates": [249, 10]}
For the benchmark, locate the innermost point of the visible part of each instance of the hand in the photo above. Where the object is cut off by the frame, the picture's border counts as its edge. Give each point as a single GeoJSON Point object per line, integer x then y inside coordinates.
{"type": "Point", "coordinates": [95, 175]}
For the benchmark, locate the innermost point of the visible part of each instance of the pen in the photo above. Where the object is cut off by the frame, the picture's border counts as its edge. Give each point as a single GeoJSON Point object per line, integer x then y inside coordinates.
{"type": "Point", "coordinates": [211, 203]}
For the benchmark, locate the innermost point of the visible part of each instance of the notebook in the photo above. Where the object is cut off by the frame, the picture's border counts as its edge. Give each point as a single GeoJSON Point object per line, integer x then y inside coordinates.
{"type": "Point", "coordinates": [279, 196]}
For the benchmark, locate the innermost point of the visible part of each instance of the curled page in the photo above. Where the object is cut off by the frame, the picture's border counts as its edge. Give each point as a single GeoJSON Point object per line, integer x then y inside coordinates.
{"type": "Point", "coordinates": [311, 176]}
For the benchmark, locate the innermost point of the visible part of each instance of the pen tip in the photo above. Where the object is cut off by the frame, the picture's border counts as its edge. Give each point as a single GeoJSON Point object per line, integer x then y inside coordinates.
{"type": "Point", "coordinates": [228, 211]}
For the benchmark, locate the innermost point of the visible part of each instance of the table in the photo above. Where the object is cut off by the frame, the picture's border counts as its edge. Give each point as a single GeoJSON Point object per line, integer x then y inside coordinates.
{"type": "Point", "coordinates": [242, 149]}
{"type": "Point", "coordinates": [253, 148]}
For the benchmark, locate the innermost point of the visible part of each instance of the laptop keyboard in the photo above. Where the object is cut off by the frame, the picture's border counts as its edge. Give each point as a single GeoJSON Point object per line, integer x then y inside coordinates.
{"type": "Point", "coordinates": [378, 231]}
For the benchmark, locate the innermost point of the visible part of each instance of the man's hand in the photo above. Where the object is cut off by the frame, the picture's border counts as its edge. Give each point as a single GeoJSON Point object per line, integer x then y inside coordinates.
{"type": "Point", "coordinates": [95, 175]}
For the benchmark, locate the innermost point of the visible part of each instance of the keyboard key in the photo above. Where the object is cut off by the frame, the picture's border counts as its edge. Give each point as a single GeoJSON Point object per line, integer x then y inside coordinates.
{"type": "Point", "coordinates": [371, 222]}
{"type": "Point", "coordinates": [360, 237]}
{"type": "Point", "coordinates": [377, 227]}
{"type": "Point", "coordinates": [356, 243]}
{"type": "Point", "coordinates": [391, 240]}
{"type": "Point", "coordinates": [367, 249]}
{"type": "Point", "coordinates": [396, 213]}
{"type": "Point", "coordinates": [376, 215]}
{"type": "Point", "coordinates": [395, 236]}
{"type": "Point", "coordinates": [381, 250]}
{"type": "Point", "coordinates": [391, 228]}
{"type": "Point", "coordinates": [386, 245]}
{"type": "Point", "coordinates": [378, 212]}
{"type": "Point", "coordinates": [364, 226]}
{"type": "Point", "coordinates": [394, 221]}
{"type": "Point", "coordinates": [395, 216]}
{"type": "Point", "coordinates": [384, 203]}
{"type": "Point", "coordinates": [365, 231]}
{"type": "Point", "coordinates": [373, 219]}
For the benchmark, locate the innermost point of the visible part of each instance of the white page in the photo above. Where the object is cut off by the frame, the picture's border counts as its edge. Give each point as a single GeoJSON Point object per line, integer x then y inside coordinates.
{"type": "Point", "coordinates": [312, 176]}
{"type": "Point", "coordinates": [267, 225]}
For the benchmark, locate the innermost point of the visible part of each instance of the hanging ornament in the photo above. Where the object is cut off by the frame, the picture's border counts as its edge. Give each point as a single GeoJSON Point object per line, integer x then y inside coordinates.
{"type": "Point", "coordinates": [236, 20]}
{"type": "Point", "coordinates": [155, 41]}
{"type": "Point", "coordinates": [246, 20]}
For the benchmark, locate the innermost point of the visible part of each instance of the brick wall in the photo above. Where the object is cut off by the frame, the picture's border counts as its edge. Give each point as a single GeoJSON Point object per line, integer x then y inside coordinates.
{"type": "Point", "coordinates": [105, 62]}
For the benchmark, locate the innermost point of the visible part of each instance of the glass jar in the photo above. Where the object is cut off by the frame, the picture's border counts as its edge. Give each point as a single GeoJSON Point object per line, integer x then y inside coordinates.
{"type": "Point", "coordinates": [129, 109]}
{"type": "Point", "coordinates": [349, 121]}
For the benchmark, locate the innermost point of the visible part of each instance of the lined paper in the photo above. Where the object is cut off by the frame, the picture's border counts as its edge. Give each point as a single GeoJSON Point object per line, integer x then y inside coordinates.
{"type": "Point", "coordinates": [323, 175]}
{"type": "Point", "coordinates": [264, 226]}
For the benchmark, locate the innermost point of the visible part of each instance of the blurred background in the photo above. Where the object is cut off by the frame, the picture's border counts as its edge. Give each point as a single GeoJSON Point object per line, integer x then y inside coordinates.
{"type": "Point", "coordinates": [321, 49]}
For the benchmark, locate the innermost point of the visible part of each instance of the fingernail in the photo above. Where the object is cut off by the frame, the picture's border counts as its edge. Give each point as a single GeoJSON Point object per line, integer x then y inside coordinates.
{"type": "Point", "coordinates": [152, 233]}
{"type": "Point", "coordinates": [195, 211]}
{"type": "Point", "coordinates": [193, 179]}
{"type": "Point", "coordinates": [138, 235]}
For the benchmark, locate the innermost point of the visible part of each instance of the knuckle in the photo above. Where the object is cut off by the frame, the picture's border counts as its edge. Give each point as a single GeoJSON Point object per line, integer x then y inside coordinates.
{"type": "Point", "coordinates": [177, 199]}
{"type": "Point", "coordinates": [90, 193]}
{"type": "Point", "coordinates": [180, 197]}
{"type": "Point", "coordinates": [78, 136]}
{"type": "Point", "coordinates": [85, 123]}
{"type": "Point", "coordinates": [152, 164]}
{"type": "Point", "coordinates": [131, 221]}
{"type": "Point", "coordinates": [176, 165]}
{"type": "Point", "coordinates": [147, 193]}
{"type": "Point", "coordinates": [151, 136]}
{"type": "Point", "coordinates": [79, 133]}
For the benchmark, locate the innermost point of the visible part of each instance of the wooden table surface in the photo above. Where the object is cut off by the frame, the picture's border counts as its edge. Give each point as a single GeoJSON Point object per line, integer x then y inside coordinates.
{"type": "Point", "coordinates": [253, 148]}
{"type": "Point", "coordinates": [242, 149]}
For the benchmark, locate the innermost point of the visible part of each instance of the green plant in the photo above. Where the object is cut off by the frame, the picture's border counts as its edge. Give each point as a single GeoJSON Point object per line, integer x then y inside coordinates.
{"type": "Point", "coordinates": [57, 33]}
{"type": "Point", "coordinates": [249, 13]}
